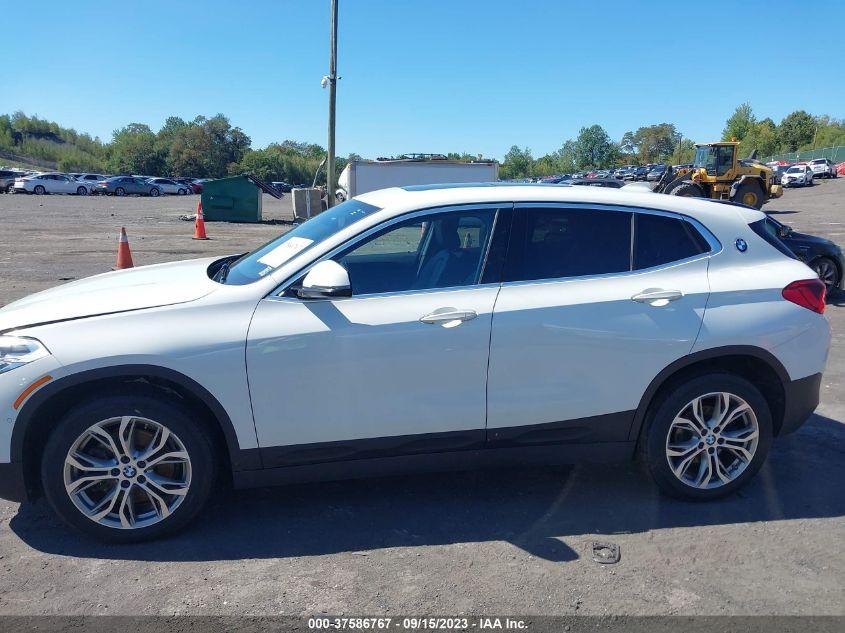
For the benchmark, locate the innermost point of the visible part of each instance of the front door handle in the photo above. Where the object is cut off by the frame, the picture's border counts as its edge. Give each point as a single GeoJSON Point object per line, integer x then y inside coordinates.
{"type": "Point", "coordinates": [657, 296]}
{"type": "Point", "coordinates": [449, 317]}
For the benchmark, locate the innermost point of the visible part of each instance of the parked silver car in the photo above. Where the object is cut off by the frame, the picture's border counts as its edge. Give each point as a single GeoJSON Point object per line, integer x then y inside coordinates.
{"type": "Point", "coordinates": [170, 187]}
{"type": "Point", "coordinates": [127, 185]}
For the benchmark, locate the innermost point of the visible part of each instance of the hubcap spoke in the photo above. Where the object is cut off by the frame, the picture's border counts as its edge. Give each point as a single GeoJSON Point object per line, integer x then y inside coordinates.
{"type": "Point", "coordinates": [167, 486]}
{"type": "Point", "coordinates": [682, 449]}
{"type": "Point", "coordinates": [125, 434]}
{"type": "Point", "coordinates": [105, 439]}
{"type": "Point", "coordinates": [157, 500]}
{"type": "Point", "coordinates": [156, 444]}
{"type": "Point", "coordinates": [177, 457]}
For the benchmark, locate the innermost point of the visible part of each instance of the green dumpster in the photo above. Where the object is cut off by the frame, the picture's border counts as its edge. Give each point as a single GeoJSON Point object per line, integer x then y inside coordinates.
{"type": "Point", "coordinates": [234, 199]}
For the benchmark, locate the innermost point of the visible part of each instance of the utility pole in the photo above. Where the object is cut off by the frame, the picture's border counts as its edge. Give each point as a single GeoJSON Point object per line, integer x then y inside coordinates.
{"type": "Point", "coordinates": [330, 175]}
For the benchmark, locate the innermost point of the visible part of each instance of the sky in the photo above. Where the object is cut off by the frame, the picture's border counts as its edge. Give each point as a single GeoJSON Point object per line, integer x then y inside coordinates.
{"type": "Point", "coordinates": [424, 75]}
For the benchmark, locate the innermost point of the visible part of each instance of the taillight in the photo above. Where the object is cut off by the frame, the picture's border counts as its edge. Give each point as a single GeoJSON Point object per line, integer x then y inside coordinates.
{"type": "Point", "coordinates": [807, 293]}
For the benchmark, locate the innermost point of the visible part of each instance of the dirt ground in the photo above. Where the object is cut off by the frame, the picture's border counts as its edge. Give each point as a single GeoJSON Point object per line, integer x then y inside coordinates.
{"type": "Point", "coordinates": [513, 542]}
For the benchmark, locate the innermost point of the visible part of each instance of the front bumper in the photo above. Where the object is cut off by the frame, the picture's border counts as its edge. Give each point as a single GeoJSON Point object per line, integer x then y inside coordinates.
{"type": "Point", "coordinates": [12, 485]}
{"type": "Point", "coordinates": [801, 397]}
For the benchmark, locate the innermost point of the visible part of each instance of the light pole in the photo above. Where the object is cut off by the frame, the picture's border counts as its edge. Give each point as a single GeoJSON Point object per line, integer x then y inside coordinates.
{"type": "Point", "coordinates": [332, 81]}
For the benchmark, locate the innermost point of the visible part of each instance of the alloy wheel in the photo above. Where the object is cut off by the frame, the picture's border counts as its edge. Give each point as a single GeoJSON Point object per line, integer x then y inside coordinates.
{"type": "Point", "coordinates": [712, 440]}
{"type": "Point", "coordinates": [826, 270]}
{"type": "Point", "coordinates": [127, 472]}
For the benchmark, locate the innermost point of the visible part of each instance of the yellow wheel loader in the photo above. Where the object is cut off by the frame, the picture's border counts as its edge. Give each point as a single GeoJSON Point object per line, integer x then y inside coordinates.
{"type": "Point", "coordinates": [718, 174]}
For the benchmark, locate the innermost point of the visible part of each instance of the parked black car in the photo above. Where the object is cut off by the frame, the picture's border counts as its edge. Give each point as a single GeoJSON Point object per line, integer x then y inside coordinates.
{"type": "Point", "coordinates": [282, 186]}
{"type": "Point", "coordinates": [641, 172]}
{"type": "Point", "coordinates": [820, 254]}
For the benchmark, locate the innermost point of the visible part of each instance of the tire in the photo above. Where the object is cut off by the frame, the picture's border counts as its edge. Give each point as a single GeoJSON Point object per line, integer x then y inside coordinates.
{"type": "Point", "coordinates": [751, 193]}
{"type": "Point", "coordinates": [39, 190]}
{"type": "Point", "coordinates": [154, 193]}
{"type": "Point", "coordinates": [120, 191]}
{"type": "Point", "coordinates": [81, 191]}
{"type": "Point", "coordinates": [663, 427]}
{"type": "Point", "coordinates": [687, 189]}
{"type": "Point", "coordinates": [827, 271]}
{"type": "Point", "coordinates": [146, 408]}
{"type": "Point", "coordinates": [182, 192]}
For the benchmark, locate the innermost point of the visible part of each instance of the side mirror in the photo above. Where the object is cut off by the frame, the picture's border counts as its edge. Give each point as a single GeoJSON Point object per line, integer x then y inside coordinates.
{"type": "Point", "coordinates": [785, 231]}
{"type": "Point", "coordinates": [327, 279]}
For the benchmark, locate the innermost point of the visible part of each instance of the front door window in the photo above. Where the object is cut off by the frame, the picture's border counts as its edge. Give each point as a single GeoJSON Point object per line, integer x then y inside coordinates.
{"type": "Point", "coordinates": [442, 250]}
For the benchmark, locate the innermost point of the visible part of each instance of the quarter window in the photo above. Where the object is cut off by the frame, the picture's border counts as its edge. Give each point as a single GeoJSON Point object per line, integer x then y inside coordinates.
{"type": "Point", "coordinates": [661, 239]}
{"type": "Point", "coordinates": [433, 251]}
{"type": "Point", "coordinates": [550, 243]}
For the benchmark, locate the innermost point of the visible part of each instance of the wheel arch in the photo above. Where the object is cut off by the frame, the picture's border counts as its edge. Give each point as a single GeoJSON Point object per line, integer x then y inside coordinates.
{"type": "Point", "coordinates": [32, 426]}
{"type": "Point", "coordinates": [755, 364]}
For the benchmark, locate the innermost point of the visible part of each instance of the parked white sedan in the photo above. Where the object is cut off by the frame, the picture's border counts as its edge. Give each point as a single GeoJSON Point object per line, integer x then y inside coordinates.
{"type": "Point", "coordinates": [169, 187]}
{"type": "Point", "coordinates": [50, 183]}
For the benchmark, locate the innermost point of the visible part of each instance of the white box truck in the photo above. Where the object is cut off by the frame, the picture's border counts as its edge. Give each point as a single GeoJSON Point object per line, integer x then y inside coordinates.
{"type": "Point", "coordinates": [361, 176]}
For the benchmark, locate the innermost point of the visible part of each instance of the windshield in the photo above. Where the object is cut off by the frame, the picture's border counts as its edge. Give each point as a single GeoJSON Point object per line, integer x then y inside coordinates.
{"type": "Point", "coordinates": [255, 265]}
{"type": "Point", "coordinates": [794, 170]}
{"type": "Point", "coordinates": [702, 156]}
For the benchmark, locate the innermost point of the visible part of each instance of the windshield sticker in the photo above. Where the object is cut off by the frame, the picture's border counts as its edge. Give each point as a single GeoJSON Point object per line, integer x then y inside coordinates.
{"type": "Point", "coordinates": [285, 251]}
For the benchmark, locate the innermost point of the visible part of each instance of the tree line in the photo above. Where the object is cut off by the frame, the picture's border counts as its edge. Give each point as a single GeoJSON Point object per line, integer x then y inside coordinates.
{"type": "Point", "coordinates": [202, 148]}
{"type": "Point", "coordinates": [210, 147]}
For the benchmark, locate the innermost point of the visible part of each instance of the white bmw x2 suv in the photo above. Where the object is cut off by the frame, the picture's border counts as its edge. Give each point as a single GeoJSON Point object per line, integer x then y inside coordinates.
{"type": "Point", "coordinates": [409, 329]}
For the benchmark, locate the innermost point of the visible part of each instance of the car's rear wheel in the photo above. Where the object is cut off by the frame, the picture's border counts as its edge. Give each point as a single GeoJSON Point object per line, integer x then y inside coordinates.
{"type": "Point", "coordinates": [827, 271]}
{"type": "Point", "coordinates": [39, 190]}
{"type": "Point", "coordinates": [120, 191]}
{"type": "Point", "coordinates": [154, 192]}
{"type": "Point", "coordinates": [128, 468]}
{"type": "Point", "coordinates": [708, 437]}
{"type": "Point", "coordinates": [182, 192]}
{"type": "Point", "coordinates": [81, 191]}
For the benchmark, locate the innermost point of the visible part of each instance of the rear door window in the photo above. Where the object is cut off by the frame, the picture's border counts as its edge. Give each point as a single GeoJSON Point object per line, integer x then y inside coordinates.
{"type": "Point", "coordinates": [660, 239]}
{"type": "Point", "coordinates": [558, 242]}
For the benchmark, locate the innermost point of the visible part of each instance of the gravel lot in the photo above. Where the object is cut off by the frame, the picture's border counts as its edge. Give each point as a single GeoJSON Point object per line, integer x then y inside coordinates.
{"type": "Point", "coordinates": [507, 542]}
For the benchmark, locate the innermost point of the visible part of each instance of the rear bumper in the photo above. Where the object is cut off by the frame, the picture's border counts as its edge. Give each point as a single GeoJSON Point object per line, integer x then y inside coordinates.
{"type": "Point", "coordinates": [801, 397]}
{"type": "Point", "coordinates": [12, 485]}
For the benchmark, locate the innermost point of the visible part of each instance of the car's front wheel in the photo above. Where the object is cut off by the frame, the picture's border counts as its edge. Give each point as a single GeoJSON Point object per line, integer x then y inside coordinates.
{"type": "Point", "coordinates": [154, 192]}
{"type": "Point", "coordinates": [128, 467]}
{"type": "Point", "coordinates": [708, 437]}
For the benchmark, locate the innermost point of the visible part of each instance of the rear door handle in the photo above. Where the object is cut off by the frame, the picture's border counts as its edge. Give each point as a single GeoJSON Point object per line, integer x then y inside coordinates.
{"type": "Point", "coordinates": [447, 316]}
{"type": "Point", "coordinates": [657, 296]}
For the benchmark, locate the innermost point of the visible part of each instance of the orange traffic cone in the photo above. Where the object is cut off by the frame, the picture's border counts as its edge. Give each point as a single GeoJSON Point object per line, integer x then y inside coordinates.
{"type": "Point", "coordinates": [124, 255]}
{"type": "Point", "coordinates": [199, 225]}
